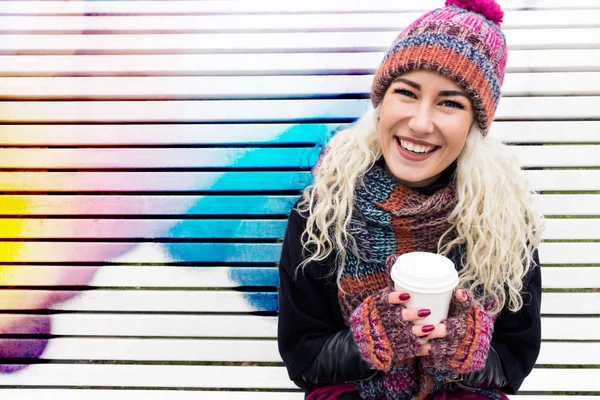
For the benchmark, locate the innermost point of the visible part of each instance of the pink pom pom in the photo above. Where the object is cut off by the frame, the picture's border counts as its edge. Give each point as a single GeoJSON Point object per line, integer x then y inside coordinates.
{"type": "Point", "coordinates": [488, 8]}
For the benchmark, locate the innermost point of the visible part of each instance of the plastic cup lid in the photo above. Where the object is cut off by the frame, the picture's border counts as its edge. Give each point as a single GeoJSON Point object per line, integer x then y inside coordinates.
{"type": "Point", "coordinates": [425, 272]}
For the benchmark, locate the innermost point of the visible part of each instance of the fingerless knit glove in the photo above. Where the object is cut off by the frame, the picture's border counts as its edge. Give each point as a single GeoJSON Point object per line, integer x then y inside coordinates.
{"type": "Point", "coordinates": [380, 332]}
{"type": "Point", "coordinates": [465, 347]}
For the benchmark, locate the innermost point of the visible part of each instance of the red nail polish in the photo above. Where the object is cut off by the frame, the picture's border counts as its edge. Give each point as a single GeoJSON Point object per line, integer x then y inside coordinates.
{"type": "Point", "coordinates": [427, 328]}
{"type": "Point", "coordinates": [424, 312]}
{"type": "Point", "coordinates": [404, 296]}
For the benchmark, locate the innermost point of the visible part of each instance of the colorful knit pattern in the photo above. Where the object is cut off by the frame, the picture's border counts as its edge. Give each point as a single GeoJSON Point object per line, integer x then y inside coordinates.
{"type": "Point", "coordinates": [457, 42]}
{"type": "Point", "coordinates": [388, 220]}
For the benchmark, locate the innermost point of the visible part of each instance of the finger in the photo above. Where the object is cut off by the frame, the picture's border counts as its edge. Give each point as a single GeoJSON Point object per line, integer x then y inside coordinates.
{"type": "Point", "coordinates": [425, 349]}
{"type": "Point", "coordinates": [461, 295]}
{"type": "Point", "coordinates": [422, 330]}
{"type": "Point", "coordinates": [415, 314]}
{"type": "Point", "coordinates": [398, 297]}
{"type": "Point", "coordinates": [438, 332]}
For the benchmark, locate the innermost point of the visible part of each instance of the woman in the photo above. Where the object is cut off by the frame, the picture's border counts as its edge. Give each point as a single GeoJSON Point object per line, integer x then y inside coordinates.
{"type": "Point", "coordinates": [416, 173]}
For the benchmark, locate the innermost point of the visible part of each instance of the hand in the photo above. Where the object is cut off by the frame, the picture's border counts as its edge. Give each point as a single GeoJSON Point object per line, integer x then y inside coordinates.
{"type": "Point", "coordinates": [427, 332]}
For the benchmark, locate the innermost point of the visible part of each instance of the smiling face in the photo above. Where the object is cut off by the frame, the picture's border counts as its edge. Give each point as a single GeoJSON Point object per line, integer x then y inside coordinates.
{"type": "Point", "coordinates": [424, 123]}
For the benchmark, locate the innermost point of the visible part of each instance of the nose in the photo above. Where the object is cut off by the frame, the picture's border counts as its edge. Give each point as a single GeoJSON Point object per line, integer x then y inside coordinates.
{"type": "Point", "coordinates": [421, 122]}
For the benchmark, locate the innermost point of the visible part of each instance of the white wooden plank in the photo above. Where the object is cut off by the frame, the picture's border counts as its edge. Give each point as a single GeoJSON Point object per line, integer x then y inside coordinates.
{"type": "Point", "coordinates": [65, 205]}
{"type": "Point", "coordinates": [562, 380]}
{"type": "Point", "coordinates": [553, 353]}
{"type": "Point", "coordinates": [194, 350]}
{"type": "Point", "coordinates": [154, 135]}
{"type": "Point", "coordinates": [272, 22]}
{"type": "Point", "coordinates": [569, 253]}
{"type": "Point", "coordinates": [571, 303]}
{"type": "Point", "coordinates": [206, 134]}
{"type": "Point", "coordinates": [278, 41]}
{"type": "Point", "coordinates": [265, 63]}
{"type": "Point", "coordinates": [568, 204]}
{"type": "Point", "coordinates": [564, 180]}
{"type": "Point", "coordinates": [546, 131]}
{"type": "Point", "coordinates": [580, 380]}
{"type": "Point", "coordinates": [558, 156]}
{"type": "Point", "coordinates": [185, 325]}
{"type": "Point", "coordinates": [518, 108]}
{"type": "Point", "coordinates": [231, 7]}
{"type": "Point", "coordinates": [570, 277]}
{"type": "Point", "coordinates": [247, 157]}
{"type": "Point", "coordinates": [99, 394]}
{"type": "Point", "coordinates": [240, 326]}
{"type": "Point", "coordinates": [263, 87]}
{"type": "Point", "coordinates": [570, 328]}
{"type": "Point", "coordinates": [228, 301]}
{"type": "Point", "coordinates": [149, 276]}
{"type": "Point", "coordinates": [570, 229]}
{"type": "Point", "coordinates": [158, 376]}
{"type": "Point", "coordinates": [43, 205]}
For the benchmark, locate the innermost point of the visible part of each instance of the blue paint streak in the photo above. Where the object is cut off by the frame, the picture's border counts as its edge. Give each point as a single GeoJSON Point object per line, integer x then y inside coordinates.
{"type": "Point", "coordinates": [318, 134]}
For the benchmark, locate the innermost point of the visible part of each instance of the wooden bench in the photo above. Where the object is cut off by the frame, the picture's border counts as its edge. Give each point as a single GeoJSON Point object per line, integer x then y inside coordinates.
{"type": "Point", "coordinates": [152, 151]}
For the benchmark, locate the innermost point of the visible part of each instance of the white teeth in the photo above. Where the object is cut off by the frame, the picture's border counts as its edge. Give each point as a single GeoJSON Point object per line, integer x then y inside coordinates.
{"type": "Point", "coordinates": [416, 148]}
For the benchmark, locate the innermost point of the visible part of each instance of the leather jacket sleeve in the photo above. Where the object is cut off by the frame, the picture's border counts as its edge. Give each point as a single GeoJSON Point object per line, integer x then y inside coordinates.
{"type": "Point", "coordinates": [490, 377]}
{"type": "Point", "coordinates": [338, 361]}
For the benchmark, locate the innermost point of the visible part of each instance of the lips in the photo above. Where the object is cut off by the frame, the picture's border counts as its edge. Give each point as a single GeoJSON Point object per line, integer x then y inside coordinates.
{"type": "Point", "coordinates": [409, 155]}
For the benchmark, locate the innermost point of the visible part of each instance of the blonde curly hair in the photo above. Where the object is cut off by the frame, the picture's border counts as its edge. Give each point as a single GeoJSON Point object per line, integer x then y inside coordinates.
{"type": "Point", "coordinates": [495, 217]}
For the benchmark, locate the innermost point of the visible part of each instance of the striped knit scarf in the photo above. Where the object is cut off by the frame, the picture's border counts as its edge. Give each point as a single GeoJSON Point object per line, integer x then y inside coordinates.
{"type": "Point", "coordinates": [390, 218]}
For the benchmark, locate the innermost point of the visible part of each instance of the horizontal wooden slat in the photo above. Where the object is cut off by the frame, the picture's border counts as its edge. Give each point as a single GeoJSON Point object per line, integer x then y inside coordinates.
{"type": "Point", "coordinates": [178, 134]}
{"type": "Point", "coordinates": [269, 42]}
{"type": "Point", "coordinates": [31, 205]}
{"type": "Point", "coordinates": [264, 87]}
{"type": "Point", "coordinates": [195, 350]}
{"type": "Point", "coordinates": [227, 7]}
{"type": "Point", "coordinates": [570, 253]}
{"type": "Point", "coordinates": [240, 326]}
{"type": "Point", "coordinates": [154, 181]}
{"type": "Point", "coordinates": [564, 180]}
{"type": "Point", "coordinates": [566, 204]}
{"type": "Point", "coordinates": [570, 277]}
{"type": "Point", "coordinates": [148, 276]}
{"type": "Point", "coordinates": [264, 63]}
{"type": "Point", "coordinates": [152, 205]}
{"type": "Point", "coordinates": [519, 108]}
{"type": "Point", "coordinates": [564, 229]}
{"type": "Point", "coordinates": [260, 134]}
{"type": "Point", "coordinates": [97, 394]}
{"type": "Point", "coordinates": [182, 376]}
{"type": "Point", "coordinates": [248, 157]}
{"type": "Point", "coordinates": [274, 22]}
{"type": "Point", "coordinates": [127, 252]}
{"type": "Point", "coordinates": [224, 277]}
{"type": "Point", "coordinates": [228, 301]}
{"type": "Point", "coordinates": [164, 158]}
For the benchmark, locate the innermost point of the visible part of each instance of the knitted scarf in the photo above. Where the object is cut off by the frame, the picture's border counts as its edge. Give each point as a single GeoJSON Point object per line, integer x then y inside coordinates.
{"type": "Point", "coordinates": [390, 218]}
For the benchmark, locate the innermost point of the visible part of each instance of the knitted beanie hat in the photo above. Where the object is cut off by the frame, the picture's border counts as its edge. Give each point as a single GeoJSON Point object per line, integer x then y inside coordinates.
{"type": "Point", "coordinates": [461, 41]}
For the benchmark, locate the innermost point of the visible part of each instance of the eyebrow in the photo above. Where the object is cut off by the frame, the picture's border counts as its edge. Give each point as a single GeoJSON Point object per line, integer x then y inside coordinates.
{"type": "Point", "coordinates": [443, 93]}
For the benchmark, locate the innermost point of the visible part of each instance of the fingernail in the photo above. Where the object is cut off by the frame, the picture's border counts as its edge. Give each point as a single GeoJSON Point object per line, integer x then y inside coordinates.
{"type": "Point", "coordinates": [404, 296]}
{"type": "Point", "coordinates": [427, 328]}
{"type": "Point", "coordinates": [423, 336]}
{"type": "Point", "coordinates": [424, 312]}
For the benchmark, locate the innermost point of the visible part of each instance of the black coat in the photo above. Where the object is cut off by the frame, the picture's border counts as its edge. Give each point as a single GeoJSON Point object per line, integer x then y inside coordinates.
{"type": "Point", "coordinates": [318, 349]}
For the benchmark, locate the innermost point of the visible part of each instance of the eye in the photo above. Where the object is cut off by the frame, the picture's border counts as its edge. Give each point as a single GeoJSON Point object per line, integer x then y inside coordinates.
{"type": "Point", "coordinates": [405, 92]}
{"type": "Point", "coordinates": [452, 104]}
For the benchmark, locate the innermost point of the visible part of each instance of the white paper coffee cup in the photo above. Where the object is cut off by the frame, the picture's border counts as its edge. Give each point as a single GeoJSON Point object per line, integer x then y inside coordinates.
{"type": "Point", "coordinates": [430, 279]}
